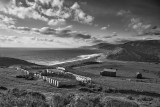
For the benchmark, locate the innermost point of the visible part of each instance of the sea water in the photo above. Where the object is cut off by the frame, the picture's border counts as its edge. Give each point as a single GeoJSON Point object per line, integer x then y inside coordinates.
{"type": "Point", "coordinates": [48, 56]}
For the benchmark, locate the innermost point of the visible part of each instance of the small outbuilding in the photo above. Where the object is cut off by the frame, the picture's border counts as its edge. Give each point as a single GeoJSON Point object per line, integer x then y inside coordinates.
{"type": "Point", "coordinates": [109, 72]}
{"type": "Point", "coordinates": [139, 75]}
{"type": "Point", "coordinates": [61, 68]}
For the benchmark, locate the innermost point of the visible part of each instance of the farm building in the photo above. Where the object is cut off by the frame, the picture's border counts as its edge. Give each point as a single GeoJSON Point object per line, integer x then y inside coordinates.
{"type": "Point", "coordinates": [23, 72]}
{"type": "Point", "coordinates": [57, 73]}
{"type": "Point", "coordinates": [60, 82]}
{"type": "Point", "coordinates": [109, 72]}
{"type": "Point", "coordinates": [138, 75]}
{"type": "Point", "coordinates": [61, 68]}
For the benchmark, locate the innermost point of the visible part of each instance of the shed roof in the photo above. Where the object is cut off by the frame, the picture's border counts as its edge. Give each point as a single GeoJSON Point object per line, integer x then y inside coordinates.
{"type": "Point", "coordinates": [110, 70]}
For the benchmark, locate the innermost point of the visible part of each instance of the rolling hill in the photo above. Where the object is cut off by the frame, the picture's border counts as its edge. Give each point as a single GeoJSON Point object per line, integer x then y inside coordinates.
{"type": "Point", "coordinates": [141, 50]}
{"type": "Point", "coordinates": [6, 61]}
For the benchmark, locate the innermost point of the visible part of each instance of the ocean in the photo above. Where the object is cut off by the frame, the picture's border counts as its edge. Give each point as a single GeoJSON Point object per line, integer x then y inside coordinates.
{"type": "Point", "coordinates": [48, 56]}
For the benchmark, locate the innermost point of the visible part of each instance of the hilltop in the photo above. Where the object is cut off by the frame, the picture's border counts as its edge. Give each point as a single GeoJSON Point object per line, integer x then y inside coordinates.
{"type": "Point", "coordinates": [141, 50]}
{"type": "Point", "coordinates": [6, 61]}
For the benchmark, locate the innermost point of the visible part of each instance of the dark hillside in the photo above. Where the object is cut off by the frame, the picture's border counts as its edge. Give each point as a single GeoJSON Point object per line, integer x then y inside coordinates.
{"type": "Point", "coordinates": [140, 50]}
{"type": "Point", "coordinates": [5, 61]}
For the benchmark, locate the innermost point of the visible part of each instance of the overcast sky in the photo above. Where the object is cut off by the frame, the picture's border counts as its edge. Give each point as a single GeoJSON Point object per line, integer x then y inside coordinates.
{"type": "Point", "coordinates": [74, 23]}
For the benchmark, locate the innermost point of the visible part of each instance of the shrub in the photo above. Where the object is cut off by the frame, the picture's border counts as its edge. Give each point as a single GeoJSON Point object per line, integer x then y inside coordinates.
{"type": "Point", "coordinates": [115, 102]}
{"type": "Point", "coordinates": [85, 89]}
{"type": "Point", "coordinates": [57, 101]}
{"type": "Point", "coordinates": [3, 88]}
{"type": "Point", "coordinates": [91, 87]}
{"type": "Point", "coordinates": [145, 98]}
{"type": "Point", "coordinates": [139, 75]}
{"type": "Point", "coordinates": [89, 100]}
{"type": "Point", "coordinates": [20, 76]}
{"type": "Point", "coordinates": [110, 90]}
{"type": "Point", "coordinates": [27, 77]}
{"type": "Point", "coordinates": [130, 97]}
{"type": "Point", "coordinates": [22, 98]}
{"type": "Point", "coordinates": [158, 73]}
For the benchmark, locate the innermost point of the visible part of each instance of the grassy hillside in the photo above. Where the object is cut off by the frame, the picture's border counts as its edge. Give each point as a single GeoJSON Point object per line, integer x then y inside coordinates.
{"type": "Point", "coordinates": [6, 61]}
{"type": "Point", "coordinates": [123, 90]}
{"type": "Point", "coordinates": [133, 55]}
{"type": "Point", "coordinates": [142, 50]}
{"type": "Point", "coordinates": [23, 98]}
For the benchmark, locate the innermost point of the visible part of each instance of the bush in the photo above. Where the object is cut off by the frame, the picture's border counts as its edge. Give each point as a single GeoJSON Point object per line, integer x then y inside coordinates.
{"type": "Point", "coordinates": [89, 100]}
{"type": "Point", "coordinates": [59, 100]}
{"type": "Point", "coordinates": [115, 102]}
{"type": "Point", "coordinates": [139, 75]}
{"type": "Point", "coordinates": [27, 77]}
{"type": "Point", "coordinates": [91, 87]}
{"type": "Point", "coordinates": [20, 76]}
{"type": "Point", "coordinates": [85, 89]}
{"type": "Point", "coordinates": [3, 88]}
{"type": "Point", "coordinates": [145, 98]}
{"type": "Point", "coordinates": [130, 97]}
{"type": "Point", "coordinates": [22, 98]}
{"type": "Point", "coordinates": [74, 100]}
{"type": "Point", "coordinates": [158, 73]}
{"type": "Point", "coordinates": [110, 90]}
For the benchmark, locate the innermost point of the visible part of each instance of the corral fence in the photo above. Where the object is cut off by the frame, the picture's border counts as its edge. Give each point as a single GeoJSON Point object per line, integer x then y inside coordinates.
{"type": "Point", "coordinates": [48, 74]}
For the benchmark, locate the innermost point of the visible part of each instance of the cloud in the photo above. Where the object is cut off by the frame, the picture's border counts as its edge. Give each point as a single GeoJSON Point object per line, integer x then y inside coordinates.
{"type": "Point", "coordinates": [123, 40]}
{"type": "Point", "coordinates": [8, 38]}
{"type": "Point", "coordinates": [63, 33]}
{"type": "Point", "coordinates": [23, 28]}
{"type": "Point", "coordinates": [154, 31]}
{"type": "Point", "coordinates": [59, 32]}
{"type": "Point", "coordinates": [35, 29]}
{"type": "Point", "coordinates": [80, 16]}
{"type": "Point", "coordinates": [105, 28]}
{"type": "Point", "coordinates": [59, 29]}
{"type": "Point", "coordinates": [42, 39]}
{"type": "Point", "coordinates": [75, 6]}
{"type": "Point", "coordinates": [112, 35]}
{"type": "Point", "coordinates": [4, 1]}
{"type": "Point", "coordinates": [95, 40]}
{"type": "Point", "coordinates": [46, 30]}
{"type": "Point", "coordinates": [68, 27]}
{"type": "Point", "coordinates": [83, 3]}
{"type": "Point", "coordinates": [96, 25]}
{"type": "Point", "coordinates": [6, 21]}
{"type": "Point", "coordinates": [20, 9]}
{"type": "Point", "coordinates": [82, 36]}
{"type": "Point", "coordinates": [123, 12]}
{"type": "Point", "coordinates": [137, 25]}
{"type": "Point", "coordinates": [54, 22]}
{"type": "Point", "coordinates": [54, 12]}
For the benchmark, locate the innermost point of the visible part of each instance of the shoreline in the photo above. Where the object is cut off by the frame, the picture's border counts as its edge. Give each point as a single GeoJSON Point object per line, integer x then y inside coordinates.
{"type": "Point", "coordinates": [74, 61]}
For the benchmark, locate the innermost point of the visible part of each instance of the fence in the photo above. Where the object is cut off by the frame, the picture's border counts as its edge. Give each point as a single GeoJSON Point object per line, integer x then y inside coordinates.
{"type": "Point", "coordinates": [82, 79]}
{"type": "Point", "coordinates": [25, 72]}
{"type": "Point", "coordinates": [57, 83]}
{"type": "Point", "coordinates": [79, 78]}
{"type": "Point", "coordinates": [54, 82]}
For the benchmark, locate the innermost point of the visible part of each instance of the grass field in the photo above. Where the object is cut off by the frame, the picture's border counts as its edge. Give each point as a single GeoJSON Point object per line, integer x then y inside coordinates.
{"type": "Point", "coordinates": [124, 85]}
{"type": "Point", "coordinates": [126, 75]}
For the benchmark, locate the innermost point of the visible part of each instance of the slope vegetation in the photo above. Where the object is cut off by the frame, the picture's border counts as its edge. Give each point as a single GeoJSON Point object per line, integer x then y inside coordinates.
{"type": "Point", "coordinates": [143, 51]}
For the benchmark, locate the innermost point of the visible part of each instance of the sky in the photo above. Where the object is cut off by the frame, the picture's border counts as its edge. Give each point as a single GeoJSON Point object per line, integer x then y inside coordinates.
{"type": "Point", "coordinates": [76, 23]}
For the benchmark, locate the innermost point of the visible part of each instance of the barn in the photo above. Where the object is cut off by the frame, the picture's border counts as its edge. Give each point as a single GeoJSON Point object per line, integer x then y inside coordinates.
{"type": "Point", "coordinates": [61, 68]}
{"type": "Point", "coordinates": [109, 72]}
